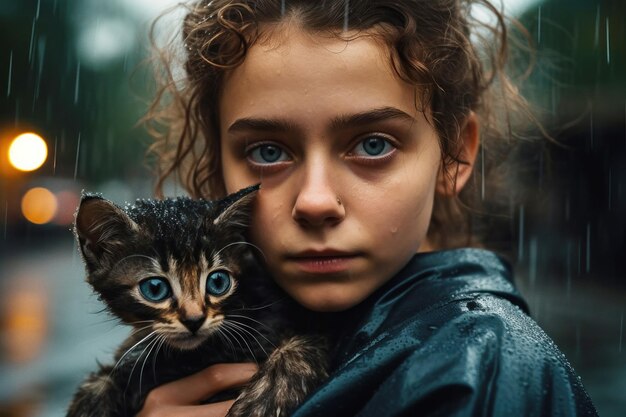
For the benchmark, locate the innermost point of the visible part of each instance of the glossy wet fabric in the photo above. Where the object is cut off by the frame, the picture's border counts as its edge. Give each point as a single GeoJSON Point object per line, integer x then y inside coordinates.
{"type": "Point", "coordinates": [448, 336]}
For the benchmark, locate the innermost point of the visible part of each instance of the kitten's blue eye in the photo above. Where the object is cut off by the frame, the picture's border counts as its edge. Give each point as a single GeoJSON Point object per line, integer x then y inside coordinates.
{"type": "Point", "coordinates": [267, 154]}
{"type": "Point", "coordinates": [373, 146]}
{"type": "Point", "coordinates": [218, 283]}
{"type": "Point", "coordinates": [155, 289]}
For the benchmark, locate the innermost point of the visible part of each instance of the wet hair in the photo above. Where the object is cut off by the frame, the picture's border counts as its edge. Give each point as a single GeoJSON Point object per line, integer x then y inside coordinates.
{"type": "Point", "coordinates": [456, 62]}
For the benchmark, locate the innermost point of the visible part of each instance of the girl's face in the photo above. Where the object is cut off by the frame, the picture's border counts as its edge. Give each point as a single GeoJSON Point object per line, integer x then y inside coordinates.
{"type": "Point", "coordinates": [348, 165]}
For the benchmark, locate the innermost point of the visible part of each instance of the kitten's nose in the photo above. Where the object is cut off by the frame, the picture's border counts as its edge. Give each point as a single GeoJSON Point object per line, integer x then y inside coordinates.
{"type": "Point", "coordinates": [193, 323]}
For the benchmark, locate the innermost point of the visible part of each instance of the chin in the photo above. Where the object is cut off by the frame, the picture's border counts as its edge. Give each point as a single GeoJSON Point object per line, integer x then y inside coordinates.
{"type": "Point", "coordinates": [185, 342]}
{"type": "Point", "coordinates": [326, 301]}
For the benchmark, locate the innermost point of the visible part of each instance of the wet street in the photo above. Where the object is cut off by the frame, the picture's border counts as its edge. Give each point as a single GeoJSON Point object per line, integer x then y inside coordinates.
{"type": "Point", "coordinates": [54, 330]}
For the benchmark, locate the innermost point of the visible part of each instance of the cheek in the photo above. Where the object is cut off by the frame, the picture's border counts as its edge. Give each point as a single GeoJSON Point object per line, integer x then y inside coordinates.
{"type": "Point", "coordinates": [401, 216]}
{"type": "Point", "coordinates": [267, 216]}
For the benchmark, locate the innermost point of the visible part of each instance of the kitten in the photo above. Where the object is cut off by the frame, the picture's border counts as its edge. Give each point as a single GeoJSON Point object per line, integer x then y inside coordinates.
{"type": "Point", "coordinates": [182, 274]}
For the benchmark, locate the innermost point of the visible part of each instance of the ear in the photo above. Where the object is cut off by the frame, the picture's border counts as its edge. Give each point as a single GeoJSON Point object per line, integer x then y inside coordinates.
{"type": "Point", "coordinates": [452, 178]}
{"type": "Point", "coordinates": [101, 228]}
{"type": "Point", "coordinates": [236, 209]}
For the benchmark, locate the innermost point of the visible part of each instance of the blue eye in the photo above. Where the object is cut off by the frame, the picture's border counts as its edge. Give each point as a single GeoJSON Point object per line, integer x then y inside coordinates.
{"type": "Point", "coordinates": [373, 146]}
{"type": "Point", "coordinates": [218, 283]}
{"type": "Point", "coordinates": [267, 154]}
{"type": "Point", "coordinates": [155, 289]}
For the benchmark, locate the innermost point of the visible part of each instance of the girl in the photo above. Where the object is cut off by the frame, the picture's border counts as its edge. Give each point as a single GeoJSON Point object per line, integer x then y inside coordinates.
{"type": "Point", "coordinates": [363, 122]}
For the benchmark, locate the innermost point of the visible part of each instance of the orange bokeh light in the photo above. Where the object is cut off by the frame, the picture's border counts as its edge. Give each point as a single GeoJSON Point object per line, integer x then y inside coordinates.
{"type": "Point", "coordinates": [28, 152]}
{"type": "Point", "coordinates": [39, 205]}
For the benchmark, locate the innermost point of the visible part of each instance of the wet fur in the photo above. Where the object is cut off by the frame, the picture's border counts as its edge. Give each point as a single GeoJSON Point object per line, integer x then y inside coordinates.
{"type": "Point", "coordinates": [181, 239]}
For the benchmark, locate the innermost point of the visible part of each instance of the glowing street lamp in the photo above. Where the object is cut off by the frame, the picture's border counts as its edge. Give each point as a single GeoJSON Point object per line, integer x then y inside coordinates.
{"type": "Point", "coordinates": [28, 152]}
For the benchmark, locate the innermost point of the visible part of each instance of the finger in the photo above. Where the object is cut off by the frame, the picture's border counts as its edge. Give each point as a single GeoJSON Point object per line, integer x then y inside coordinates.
{"type": "Point", "coordinates": [202, 385]}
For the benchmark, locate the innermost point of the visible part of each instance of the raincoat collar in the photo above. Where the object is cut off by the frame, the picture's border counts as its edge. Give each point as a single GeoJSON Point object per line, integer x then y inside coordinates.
{"type": "Point", "coordinates": [428, 281]}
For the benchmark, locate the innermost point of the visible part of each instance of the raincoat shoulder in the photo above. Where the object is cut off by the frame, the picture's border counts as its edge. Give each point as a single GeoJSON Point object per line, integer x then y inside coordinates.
{"type": "Point", "coordinates": [448, 336]}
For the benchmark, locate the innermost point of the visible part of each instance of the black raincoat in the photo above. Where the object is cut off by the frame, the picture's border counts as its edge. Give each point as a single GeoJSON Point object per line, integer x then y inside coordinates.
{"type": "Point", "coordinates": [449, 335]}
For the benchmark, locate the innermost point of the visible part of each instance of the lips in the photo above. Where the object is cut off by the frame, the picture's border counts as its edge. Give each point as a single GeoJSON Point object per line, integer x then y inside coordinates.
{"type": "Point", "coordinates": [323, 261]}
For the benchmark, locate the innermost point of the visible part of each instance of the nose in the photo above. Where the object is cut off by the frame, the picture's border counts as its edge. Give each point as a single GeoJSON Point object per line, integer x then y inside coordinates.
{"type": "Point", "coordinates": [193, 323]}
{"type": "Point", "coordinates": [318, 203]}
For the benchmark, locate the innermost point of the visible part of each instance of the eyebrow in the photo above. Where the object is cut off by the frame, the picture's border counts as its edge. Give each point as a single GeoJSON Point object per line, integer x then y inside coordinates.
{"type": "Point", "coordinates": [338, 122]}
{"type": "Point", "coordinates": [370, 116]}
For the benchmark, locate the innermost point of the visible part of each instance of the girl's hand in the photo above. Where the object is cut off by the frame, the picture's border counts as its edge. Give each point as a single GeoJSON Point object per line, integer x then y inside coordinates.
{"type": "Point", "coordinates": [181, 398]}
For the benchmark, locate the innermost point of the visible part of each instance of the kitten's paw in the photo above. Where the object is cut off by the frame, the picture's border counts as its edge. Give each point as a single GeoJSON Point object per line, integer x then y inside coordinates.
{"type": "Point", "coordinates": [288, 376]}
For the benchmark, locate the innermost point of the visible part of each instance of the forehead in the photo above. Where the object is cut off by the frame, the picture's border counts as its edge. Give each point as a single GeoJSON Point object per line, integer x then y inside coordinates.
{"type": "Point", "coordinates": [293, 71]}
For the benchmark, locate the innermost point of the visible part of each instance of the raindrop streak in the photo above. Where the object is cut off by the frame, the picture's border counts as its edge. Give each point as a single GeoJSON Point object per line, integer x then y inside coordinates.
{"type": "Point", "coordinates": [54, 162]}
{"type": "Point", "coordinates": [77, 154]}
{"type": "Point", "coordinates": [608, 45]}
{"type": "Point", "coordinates": [32, 41]}
{"type": "Point", "coordinates": [539, 25]}
{"type": "Point", "coordinates": [41, 52]}
{"type": "Point", "coordinates": [596, 37]}
{"type": "Point", "coordinates": [282, 8]}
{"type": "Point", "coordinates": [77, 82]}
{"type": "Point", "coordinates": [11, 72]}
{"type": "Point", "coordinates": [588, 258]}
{"type": "Point", "coordinates": [520, 245]}
{"type": "Point", "coordinates": [38, 7]}
{"type": "Point", "coordinates": [345, 16]}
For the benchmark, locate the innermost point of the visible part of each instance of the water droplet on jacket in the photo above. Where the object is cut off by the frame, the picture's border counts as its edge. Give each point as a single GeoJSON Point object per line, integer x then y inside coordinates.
{"type": "Point", "coordinates": [474, 305]}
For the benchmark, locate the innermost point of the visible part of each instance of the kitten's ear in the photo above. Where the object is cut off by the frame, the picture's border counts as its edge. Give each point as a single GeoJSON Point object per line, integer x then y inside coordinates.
{"type": "Point", "coordinates": [235, 209]}
{"type": "Point", "coordinates": [101, 228]}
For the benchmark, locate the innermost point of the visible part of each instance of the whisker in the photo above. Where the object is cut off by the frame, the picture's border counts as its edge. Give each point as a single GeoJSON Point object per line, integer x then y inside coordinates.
{"type": "Point", "coordinates": [139, 329]}
{"type": "Point", "coordinates": [154, 343]}
{"type": "Point", "coordinates": [132, 323]}
{"type": "Point", "coordinates": [242, 242]}
{"type": "Point", "coordinates": [162, 340]}
{"type": "Point", "coordinates": [109, 320]}
{"type": "Point", "coordinates": [236, 337]}
{"type": "Point", "coordinates": [243, 329]}
{"type": "Point", "coordinates": [262, 307]}
{"type": "Point", "coordinates": [130, 350]}
{"type": "Point", "coordinates": [130, 376]}
{"type": "Point", "coordinates": [253, 320]}
{"type": "Point", "coordinates": [256, 330]}
{"type": "Point", "coordinates": [236, 331]}
{"type": "Point", "coordinates": [226, 339]}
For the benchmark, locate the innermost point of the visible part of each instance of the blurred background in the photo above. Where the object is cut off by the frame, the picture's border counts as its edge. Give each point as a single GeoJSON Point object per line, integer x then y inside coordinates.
{"type": "Point", "coordinates": [72, 90]}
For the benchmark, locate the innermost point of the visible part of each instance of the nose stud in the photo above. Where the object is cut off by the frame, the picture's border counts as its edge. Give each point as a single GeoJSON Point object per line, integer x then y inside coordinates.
{"type": "Point", "coordinates": [339, 200]}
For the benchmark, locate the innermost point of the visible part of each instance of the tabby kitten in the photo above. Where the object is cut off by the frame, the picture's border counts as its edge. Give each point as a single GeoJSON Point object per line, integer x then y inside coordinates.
{"type": "Point", "coordinates": [182, 274]}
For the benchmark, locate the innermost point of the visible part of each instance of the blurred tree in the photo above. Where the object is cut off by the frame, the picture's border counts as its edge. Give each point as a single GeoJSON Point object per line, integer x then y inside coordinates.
{"type": "Point", "coordinates": [45, 87]}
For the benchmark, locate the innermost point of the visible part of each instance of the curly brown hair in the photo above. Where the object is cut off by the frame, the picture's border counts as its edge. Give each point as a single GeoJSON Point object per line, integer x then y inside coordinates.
{"type": "Point", "coordinates": [456, 61]}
